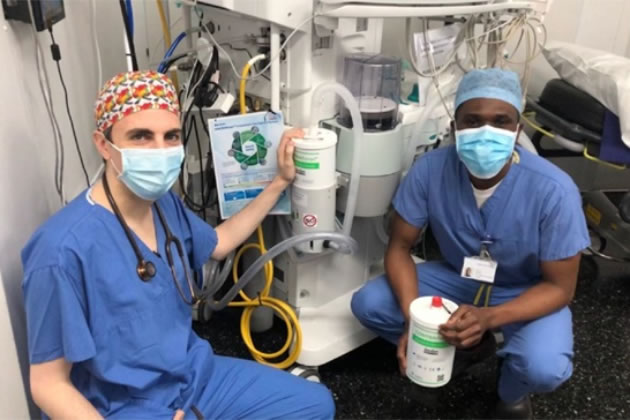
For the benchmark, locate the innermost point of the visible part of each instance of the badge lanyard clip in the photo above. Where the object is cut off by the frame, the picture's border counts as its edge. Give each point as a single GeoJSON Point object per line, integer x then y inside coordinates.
{"type": "Point", "coordinates": [485, 243]}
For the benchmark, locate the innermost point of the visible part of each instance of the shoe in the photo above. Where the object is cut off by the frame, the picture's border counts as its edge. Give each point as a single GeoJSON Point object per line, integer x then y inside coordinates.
{"type": "Point", "coordinates": [465, 358]}
{"type": "Point", "coordinates": [521, 409]}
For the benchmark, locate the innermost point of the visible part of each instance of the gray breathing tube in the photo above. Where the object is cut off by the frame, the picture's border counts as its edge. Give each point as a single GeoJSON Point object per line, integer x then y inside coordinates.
{"type": "Point", "coordinates": [215, 279]}
{"type": "Point", "coordinates": [340, 242]}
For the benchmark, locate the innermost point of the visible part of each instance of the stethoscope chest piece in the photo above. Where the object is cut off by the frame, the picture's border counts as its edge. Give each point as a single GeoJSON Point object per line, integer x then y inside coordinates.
{"type": "Point", "coordinates": [146, 270]}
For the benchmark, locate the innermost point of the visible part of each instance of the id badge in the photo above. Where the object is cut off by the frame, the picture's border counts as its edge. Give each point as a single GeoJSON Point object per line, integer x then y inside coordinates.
{"type": "Point", "coordinates": [480, 269]}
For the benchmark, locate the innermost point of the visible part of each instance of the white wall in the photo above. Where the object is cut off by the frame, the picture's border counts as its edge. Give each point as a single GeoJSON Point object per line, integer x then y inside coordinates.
{"type": "Point", "coordinates": [599, 24]}
{"type": "Point", "coordinates": [27, 154]}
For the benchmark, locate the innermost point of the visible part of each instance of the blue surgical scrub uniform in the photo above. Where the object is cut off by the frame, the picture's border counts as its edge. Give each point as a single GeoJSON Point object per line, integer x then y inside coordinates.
{"type": "Point", "coordinates": [131, 343]}
{"type": "Point", "coordinates": [534, 215]}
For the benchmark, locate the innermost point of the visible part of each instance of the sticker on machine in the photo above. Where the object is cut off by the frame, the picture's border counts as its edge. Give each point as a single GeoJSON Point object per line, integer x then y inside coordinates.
{"type": "Point", "coordinates": [309, 220]}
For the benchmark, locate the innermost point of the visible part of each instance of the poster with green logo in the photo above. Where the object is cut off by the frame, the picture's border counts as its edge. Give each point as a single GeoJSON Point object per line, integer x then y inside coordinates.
{"type": "Point", "coordinates": [244, 156]}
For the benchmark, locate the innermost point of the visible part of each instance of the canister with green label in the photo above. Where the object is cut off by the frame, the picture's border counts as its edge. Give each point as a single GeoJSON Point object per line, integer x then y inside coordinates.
{"type": "Point", "coordinates": [429, 358]}
{"type": "Point", "coordinates": [314, 189]}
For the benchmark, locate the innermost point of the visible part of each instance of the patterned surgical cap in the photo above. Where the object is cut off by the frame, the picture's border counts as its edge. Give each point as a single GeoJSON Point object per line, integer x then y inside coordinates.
{"type": "Point", "coordinates": [132, 92]}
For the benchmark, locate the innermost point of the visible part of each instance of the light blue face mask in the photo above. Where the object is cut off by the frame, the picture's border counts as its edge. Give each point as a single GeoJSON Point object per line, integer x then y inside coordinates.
{"type": "Point", "coordinates": [485, 150]}
{"type": "Point", "coordinates": [150, 173]}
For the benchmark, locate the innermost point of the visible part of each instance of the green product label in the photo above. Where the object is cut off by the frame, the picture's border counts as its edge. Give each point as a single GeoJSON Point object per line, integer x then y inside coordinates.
{"type": "Point", "coordinates": [306, 165]}
{"type": "Point", "coordinates": [429, 343]}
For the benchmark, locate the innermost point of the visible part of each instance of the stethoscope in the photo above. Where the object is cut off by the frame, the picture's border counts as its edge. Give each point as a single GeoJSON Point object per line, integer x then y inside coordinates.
{"type": "Point", "coordinates": [146, 269]}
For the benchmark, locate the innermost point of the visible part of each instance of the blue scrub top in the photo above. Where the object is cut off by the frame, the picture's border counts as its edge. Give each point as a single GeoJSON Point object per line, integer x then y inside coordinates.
{"type": "Point", "coordinates": [534, 215]}
{"type": "Point", "coordinates": [130, 342]}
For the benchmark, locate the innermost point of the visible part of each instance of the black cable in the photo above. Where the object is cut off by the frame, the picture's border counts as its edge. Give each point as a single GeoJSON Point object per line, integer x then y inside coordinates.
{"type": "Point", "coordinates": [230, 46]}
{"type": "Point", "coordinates": [132, 46]}
{"type": "Point", "coordinates": [191, 123]}
{"type": "Point", "coordinates": [217, 86]}
{"type": "Point", "coordinates": [171, 60]}
{"type": "Point", "coordinates": [56, 52]}
{"type": "Point", "coordinates": [187, 199]}
{"type": "Point", "coordinates": [187, 121]}
{"type": "Point", "coordinates": [199, 78]}
{"type": "Point", "coordinates": [203, 122]}
{"type": "Point", "coordinates": [182, 187]}
{"type": "Point", "coordinates": [201, 171]}
{"type": "Point", "coordinates": [206, 197]}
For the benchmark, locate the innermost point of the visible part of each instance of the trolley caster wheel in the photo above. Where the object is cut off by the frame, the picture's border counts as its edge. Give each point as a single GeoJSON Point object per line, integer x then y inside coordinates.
{"type": "Point", "coordinates": [243, 166]}
{"type": "Point", "coordinates": [236, 134]}
{"type": "Point", "coordinates": [254, 130]}
{"type": "Point", "coordinates": [230, 153]}
{"type": "Point", "coordinates": [307, 372]}
{"type": "Point", "coordinates": [262, 161]}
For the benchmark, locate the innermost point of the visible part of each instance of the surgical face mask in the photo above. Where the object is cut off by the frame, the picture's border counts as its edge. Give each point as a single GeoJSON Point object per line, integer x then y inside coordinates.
{"type": "Point", "coordinates": [150, 173]}
{"type": "Point", "coordinates": [485, 150]}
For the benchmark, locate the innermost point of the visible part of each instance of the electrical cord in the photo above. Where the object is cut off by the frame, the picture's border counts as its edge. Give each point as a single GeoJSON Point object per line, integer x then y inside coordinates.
{"type": "Point", "coordinates": [168, 62]}
{"type": "Point", "coordinates": [56, 54]}
{"type": "Point", "coordinates": [44, 85]}
{"type": "Point", "coordinates": [132, 46]}
{"type": "Point", "coordinates": [282, 47]}
{"type": "Point", "coordinates": [204, 124]}
{"type": "Point", "coordinates": [162, 68]}
{"type": "Point", "coordinates": [249, 54]}
{"type": "Point", "coordinates": [205, 77]}
{"type": "Point", "coordinates": [189, 98]}
{"type": "Point", "coordinates": [97, 47]}
{"type": "Point", "coordinates": [191, 124]}
{"type": "Point", "coordinates": [188, 117]}
{"type": "Point", "coordinates": [187, 199]}
{"type": "Point", "coordinates": [497, 33]}
{"type": "Point", "coordinates": [202, 175]}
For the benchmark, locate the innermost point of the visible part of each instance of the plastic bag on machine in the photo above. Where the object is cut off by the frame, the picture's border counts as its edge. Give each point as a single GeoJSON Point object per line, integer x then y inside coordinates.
{"type": "Point", "coordinates": [603, 75]}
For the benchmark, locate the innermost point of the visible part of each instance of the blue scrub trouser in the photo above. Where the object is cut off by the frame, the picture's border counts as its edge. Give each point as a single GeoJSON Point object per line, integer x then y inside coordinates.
{"type": "Point", "coordinates": [537, 354]}
{"type": "Point", "coordinates": [242, 389]}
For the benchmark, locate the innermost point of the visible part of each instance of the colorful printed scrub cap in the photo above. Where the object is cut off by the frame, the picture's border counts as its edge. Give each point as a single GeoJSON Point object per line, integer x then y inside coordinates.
{"type": "Point", "coordinates": [132, 92]}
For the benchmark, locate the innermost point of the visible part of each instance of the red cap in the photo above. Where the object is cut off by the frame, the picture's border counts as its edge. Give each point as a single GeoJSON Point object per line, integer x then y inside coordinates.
{"type": "Point", "coordinates": [436, 302]}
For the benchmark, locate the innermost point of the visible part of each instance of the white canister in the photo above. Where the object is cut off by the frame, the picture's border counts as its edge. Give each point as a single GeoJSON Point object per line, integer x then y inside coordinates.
{"type": "Point", "coordinates": [313, 193]}
{"type": "Point", "coordinates": [429, 357]}
{"type": "Point", "coordinates": [314, 159]}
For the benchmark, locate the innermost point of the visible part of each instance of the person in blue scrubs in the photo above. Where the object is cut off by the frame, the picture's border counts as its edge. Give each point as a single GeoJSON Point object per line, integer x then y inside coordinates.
{"type": "Point", "coordinates": [105, 343]}
{"type": "Point", "coordinates": [486, 197]}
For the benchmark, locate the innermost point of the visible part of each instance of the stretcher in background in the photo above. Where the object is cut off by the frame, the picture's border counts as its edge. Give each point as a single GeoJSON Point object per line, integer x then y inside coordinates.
{"type": "Point", "coordinates": [586, 129]}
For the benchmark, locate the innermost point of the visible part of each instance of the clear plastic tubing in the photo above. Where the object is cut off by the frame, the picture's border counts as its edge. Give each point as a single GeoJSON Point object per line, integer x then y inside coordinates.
{"type": "Point", "coordinates": [357, 128]}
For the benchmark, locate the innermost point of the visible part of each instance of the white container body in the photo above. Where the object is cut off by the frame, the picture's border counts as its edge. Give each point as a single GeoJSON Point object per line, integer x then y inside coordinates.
{"type": "Point", "coordinates": [429, 358]}
{"type": "Point", "coordinates": [315, 159]}
{"type": "Point", "coordinates": [313, 194]}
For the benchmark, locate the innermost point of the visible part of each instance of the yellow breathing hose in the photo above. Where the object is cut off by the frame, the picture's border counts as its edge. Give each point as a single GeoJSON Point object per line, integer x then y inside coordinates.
{"type": "Point", "coordinates": [284, 311]}
{"type": "Point", "coordinates": [166, 31]}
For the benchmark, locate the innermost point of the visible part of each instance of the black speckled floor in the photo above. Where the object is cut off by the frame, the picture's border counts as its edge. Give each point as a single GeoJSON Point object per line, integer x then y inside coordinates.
{"type": "Point", "coordinates": [366, 383]}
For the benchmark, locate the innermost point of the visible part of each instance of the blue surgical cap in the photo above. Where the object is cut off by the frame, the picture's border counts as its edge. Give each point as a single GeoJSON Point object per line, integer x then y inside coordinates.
{"type": "Point", "coordinates": [494, 83]}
